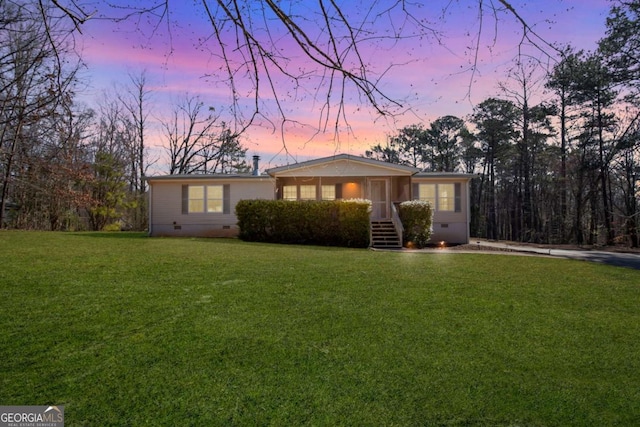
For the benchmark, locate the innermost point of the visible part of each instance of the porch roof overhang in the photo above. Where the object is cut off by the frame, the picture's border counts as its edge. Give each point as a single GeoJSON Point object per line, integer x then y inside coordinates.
{"type": "Point", "coordinates": [342, 165]}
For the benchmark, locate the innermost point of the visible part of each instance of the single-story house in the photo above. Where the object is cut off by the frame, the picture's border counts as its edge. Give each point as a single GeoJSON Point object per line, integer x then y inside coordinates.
{"type": "Point", "coordinates": [204, 205]}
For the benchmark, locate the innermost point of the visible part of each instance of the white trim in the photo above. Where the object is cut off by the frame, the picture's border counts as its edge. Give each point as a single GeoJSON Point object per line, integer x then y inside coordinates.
{"type": "Point", "coordinates": [387, 196]}
{"type": "Point", "coordinates": [150, 209]}
{"type": "Point", "coordinates": [468, 201]}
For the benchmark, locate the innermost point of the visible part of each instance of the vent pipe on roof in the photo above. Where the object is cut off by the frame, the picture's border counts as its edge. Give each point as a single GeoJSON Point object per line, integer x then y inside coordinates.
{"type": "Point", "coordinates": [256, 170]}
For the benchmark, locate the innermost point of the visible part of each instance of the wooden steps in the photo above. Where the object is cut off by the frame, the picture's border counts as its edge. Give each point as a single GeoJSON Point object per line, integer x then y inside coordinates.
{"type": "Point", "coordinates": [384, 235]}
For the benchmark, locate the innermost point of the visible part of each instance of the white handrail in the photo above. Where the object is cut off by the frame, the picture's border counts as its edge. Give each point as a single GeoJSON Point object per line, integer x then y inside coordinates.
{"type": "Point", "coordinates": [395, 219]}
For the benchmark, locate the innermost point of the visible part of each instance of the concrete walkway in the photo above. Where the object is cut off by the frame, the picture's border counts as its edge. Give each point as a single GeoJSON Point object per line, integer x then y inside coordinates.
{"type": "Point", "coordinates": [630, 260]}
{"type": "Point", "coordinates": [619, 259]}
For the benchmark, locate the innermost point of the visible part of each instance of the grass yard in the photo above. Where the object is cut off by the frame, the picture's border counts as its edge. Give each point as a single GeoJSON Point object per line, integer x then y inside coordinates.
{"type": "Point", "coordinates": [122, 329]}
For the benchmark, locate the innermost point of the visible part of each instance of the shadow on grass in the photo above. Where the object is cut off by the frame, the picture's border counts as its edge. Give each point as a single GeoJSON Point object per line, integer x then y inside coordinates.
{"type": "Point", "coordinates": [113, 234]}
{"type": "Point", "coordinates": [130, 235]}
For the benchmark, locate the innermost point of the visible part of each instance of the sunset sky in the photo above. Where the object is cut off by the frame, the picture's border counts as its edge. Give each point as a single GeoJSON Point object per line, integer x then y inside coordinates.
{"type": "Point", "coordinates": [430, 77]}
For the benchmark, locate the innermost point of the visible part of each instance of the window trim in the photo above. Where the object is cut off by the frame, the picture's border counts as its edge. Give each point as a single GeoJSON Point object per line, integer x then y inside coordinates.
{"type": "Point", "coordinates": [308, 187]}
{"type": "Point", "coordinates": [450, 200]}
{"type": "Point", "coordinates": [226, 199]}
{"type": "Point", "coordinates": [432, 200]}
{"type": "Point", "coordinates": [328, 188]}
{"type": "Point", "coordinates": [318, 192]}
{"type": "Point", "coordinates": [290, 187]}
{"type": "Point", "coordinates": [208, 199]}
{"type": "Point", "coordinates": [457, 195]}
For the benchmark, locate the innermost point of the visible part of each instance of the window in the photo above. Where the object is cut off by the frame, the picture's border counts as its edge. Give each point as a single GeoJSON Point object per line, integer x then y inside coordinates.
{"type": "Point", "coordinates": [446, 197]}
{"type": "Point", "coordinates": [307, 192]}
{"type": "Point", "coordinates": [427, 193]}
{"type": "Point", "coordinates": [442, 197]}
{"type": "Point", "coordinates": [289, 192]}
{"type": "Point", "coordinates": [295, 192]}
{"type": "Point", "coordinates": [215, 198]}
{"type": "Point", "coordinates": [205, 199]}
{"type": "Point", "coordinates": [328, 192]}
{"type": "Point", "coordinates": [196, 198]}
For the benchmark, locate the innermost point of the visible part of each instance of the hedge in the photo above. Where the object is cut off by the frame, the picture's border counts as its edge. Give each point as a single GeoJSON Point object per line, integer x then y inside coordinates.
{"type": "Point", "coordinates": [417, 220]}
{"type": "Point", "coordinates": [324, 223]}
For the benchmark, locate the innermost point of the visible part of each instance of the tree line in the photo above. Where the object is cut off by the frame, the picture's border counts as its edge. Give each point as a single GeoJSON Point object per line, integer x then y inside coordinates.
{"type": "Point", "coordinates": [65, 165]}
{"type": "Point", "coordinates": [563, 169]}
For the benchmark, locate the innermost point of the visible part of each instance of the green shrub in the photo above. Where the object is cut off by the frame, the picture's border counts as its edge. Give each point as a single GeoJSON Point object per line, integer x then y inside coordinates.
{"type": "Point", "coordinates": [114, 226]}
{"type": "Point", "coordinates": [417, 220]}
{"type": "Point", "coordinates": [327, 223]}
{"type": "Point", "coordinates": [354, 222]}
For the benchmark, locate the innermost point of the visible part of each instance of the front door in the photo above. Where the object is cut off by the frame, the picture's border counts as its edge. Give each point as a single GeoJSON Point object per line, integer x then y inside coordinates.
{"type": "Point", "coordinates": [378, 192]}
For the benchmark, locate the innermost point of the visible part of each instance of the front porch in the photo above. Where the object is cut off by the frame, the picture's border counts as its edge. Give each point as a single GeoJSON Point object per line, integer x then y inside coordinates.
{"type": "Point", "coordinates": [383, 192]}
{"type": "Point", "coordinates": [349, 177]}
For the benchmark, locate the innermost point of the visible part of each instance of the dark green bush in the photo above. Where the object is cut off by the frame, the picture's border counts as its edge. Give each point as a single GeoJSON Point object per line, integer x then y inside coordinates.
{"type": "Point", "coordinates": [417, 220]}
{"type": "Point", "coordinates": [326, 223]}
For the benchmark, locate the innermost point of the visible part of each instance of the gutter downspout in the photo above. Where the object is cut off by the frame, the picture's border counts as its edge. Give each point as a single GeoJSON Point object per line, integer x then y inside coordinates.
{"type": "Point", "coordinates": [468, 200]}
{"type": "Point", "coordinates": [150, 204]}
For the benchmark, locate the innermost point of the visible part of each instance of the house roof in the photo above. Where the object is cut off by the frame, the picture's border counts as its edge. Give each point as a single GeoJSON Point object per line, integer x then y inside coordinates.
{"type": "Point", "coordinates": [208, 177]}
{"type": "Point", "coordinates": [339, 165]}
{"type": "Point", "coordinates": [342, 165]}
{"type": "Point", "coordinates": [445, 175]}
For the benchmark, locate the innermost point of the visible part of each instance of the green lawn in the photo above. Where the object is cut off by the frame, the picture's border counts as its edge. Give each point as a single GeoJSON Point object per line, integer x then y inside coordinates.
{"type": "Point", "coordinates": [122, 329]}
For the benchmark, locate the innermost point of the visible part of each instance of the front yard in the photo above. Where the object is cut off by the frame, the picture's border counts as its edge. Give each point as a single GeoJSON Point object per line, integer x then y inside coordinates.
{"type": "Point", "coordinates": [122, 329]}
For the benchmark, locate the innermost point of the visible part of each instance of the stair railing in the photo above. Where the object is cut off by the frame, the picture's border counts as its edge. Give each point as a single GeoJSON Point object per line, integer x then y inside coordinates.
{"type": "Point", "coordinates": [397, 224]}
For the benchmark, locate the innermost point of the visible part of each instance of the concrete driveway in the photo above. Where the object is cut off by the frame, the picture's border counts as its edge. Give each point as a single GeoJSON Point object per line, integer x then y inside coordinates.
{"type": "Point", "coordinates": [618, 259]}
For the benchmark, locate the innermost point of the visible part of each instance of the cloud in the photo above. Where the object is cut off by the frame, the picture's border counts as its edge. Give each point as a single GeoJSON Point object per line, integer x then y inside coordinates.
{"type": "Point", "coordinates": [429, 76]}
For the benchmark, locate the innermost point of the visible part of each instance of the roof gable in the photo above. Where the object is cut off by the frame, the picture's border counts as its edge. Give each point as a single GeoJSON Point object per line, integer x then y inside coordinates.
{"type": "Point", "coordinates": [342, 165]}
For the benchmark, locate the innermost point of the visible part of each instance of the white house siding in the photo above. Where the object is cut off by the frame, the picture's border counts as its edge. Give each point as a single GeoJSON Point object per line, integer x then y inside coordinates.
{"type": "Point", "coordinates": [167, 219]}
{"type": "Point", "coordinates": [450, 227]}
{"type": "Point", "coordinates": [352, 175]}
{"type": "Point", "coordinates": [449, 231]}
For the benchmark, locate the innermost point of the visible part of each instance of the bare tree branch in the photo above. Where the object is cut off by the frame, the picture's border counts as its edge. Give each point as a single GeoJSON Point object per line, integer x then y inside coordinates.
{"type": "Point", "coordinates": [322, 49]}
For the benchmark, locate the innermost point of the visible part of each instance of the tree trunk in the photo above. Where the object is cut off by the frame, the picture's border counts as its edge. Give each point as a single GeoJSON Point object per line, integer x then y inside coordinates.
{"type": "Point", "coordinates": [563, 167]}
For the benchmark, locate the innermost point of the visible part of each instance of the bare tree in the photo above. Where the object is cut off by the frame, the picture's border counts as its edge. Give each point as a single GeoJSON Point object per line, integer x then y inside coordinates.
{"type": "Point", "coordinates": [37, 73]}
{"type": "Point", "coordinates": [112, 199]}
{"type": "Point", "coordinates": [197, 142]}
{"type": "Point", "coordinates": [227, 155]}
{"type": "Point", "coordinates": [271, 54]}
{"type": "Point", "coordinates": [135, 100]}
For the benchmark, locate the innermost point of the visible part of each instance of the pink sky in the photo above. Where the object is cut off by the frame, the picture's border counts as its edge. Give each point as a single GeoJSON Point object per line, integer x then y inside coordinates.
{"type": "Point", "coordinates": [434, 80]}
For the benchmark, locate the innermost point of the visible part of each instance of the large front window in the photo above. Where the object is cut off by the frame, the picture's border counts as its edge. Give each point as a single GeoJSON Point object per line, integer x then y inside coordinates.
{"type": "Point", "coordinates": [446, 197]}
{"type": "Point", "coordinates": [307, 192]}
{"type": "Point", "coordinates": [428, 194]}
{"type": "Point", "coordinates": [299, 192]}
{"type": "Point", "coordinates": [290, 192]}
{"type": "Point", "coordinates": [196, 198]}
{"type": "Point", "coordinates": [206, 198]}
{"type": "Point", "coordinates": [214, 198]}
{"type": "Point", "coordinates": [441, 197]}
{"type": "Point", "coordinates": [328, 192]}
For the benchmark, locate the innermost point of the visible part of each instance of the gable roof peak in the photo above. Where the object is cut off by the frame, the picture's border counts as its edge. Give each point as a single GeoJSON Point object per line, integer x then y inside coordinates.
{"type": "Point", "coordinates": [365, 161]}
